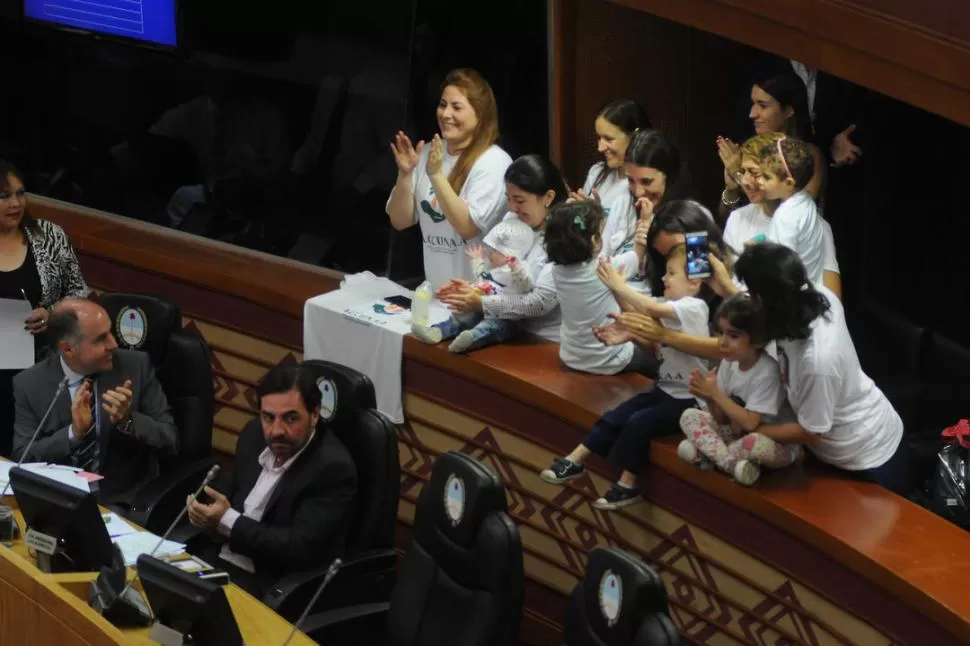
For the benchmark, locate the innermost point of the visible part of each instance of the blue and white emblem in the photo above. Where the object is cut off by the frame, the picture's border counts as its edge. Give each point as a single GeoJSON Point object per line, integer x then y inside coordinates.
{"type": "Point", "coordinates": [454, 499]}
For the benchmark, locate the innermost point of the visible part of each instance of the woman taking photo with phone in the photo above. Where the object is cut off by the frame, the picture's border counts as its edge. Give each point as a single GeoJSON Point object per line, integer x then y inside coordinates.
{"type": "Point", "coordinates": [454, 186]}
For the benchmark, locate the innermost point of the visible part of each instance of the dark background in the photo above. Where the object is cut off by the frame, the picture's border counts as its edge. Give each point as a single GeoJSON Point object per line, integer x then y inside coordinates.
{"type": "Point", "coordinates": [70, 101]}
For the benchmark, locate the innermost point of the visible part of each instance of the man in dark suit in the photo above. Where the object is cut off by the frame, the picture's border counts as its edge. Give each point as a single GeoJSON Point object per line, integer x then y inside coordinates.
{"type": "Point", "coordinates": [287, 504]}
{"type": "Point", "coordinates": [112, 418]}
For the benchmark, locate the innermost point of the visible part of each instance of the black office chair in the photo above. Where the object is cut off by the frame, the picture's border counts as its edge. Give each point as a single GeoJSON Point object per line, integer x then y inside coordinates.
{"type": "Point", "coordinates": [461, 580]}
{"type": "Point", "coordinates": [183, 365]}
{"type": "Point", "coordinates": [620, 602]}
{"type": "Point", "coordinates": [369, 569]}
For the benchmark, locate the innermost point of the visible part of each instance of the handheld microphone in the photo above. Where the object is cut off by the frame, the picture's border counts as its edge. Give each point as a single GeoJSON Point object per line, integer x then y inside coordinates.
{"type": "Point", "coordinates": [209, 477]}
{"type": "Point", "coordinates": [23, 456]}
{"type": "Point", "coordinates": [331, 573]}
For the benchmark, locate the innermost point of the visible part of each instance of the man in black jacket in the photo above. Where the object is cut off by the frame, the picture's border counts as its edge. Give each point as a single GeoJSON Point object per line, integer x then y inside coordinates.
{"type": "Point", "coordinates": [286, 505]}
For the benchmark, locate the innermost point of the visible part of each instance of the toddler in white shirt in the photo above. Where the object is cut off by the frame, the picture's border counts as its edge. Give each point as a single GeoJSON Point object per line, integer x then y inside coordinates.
{"type": "Point", "coordinates": [498, 269]}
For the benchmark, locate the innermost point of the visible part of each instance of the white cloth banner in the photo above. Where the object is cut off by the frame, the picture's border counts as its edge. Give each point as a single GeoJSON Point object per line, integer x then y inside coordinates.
{"type": "Point", "coordinates": [356, 327]}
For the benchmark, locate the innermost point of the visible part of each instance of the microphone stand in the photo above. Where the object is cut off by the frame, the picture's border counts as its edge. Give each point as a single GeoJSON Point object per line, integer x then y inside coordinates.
{"type": "Point", "coordinates": [209, 477]}
{"type": "Point", "coordinates": [331, 572]}
{"type": "Point", "coordinates": [23, 456]}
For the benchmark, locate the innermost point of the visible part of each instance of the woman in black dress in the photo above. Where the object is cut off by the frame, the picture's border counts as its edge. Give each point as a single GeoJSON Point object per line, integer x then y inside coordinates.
{"type": "Point", "coordinates": [37, 263]}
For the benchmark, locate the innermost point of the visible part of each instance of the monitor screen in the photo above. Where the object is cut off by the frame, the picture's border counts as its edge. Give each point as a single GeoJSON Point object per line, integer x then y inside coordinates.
{"type": "Point", "coordinates": [67, 514]}
{"type": "Point", "coordinates": [186, 603]}
{"type": "Point", "coordinates": [147, 21]}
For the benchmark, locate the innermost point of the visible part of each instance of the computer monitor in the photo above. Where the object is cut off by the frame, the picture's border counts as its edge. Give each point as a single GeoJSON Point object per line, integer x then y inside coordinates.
{"type": "Point", "coordinates": [69, 515]}
{"type": "Point", "coordinates": [147, 22]}
{"type": "Point", "coordinates": [187, 604]}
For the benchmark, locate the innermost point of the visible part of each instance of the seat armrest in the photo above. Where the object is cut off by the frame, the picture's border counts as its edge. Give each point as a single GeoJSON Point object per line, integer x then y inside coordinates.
{"type": "Point", "coordinates": [365, 577]}
{"type": "Point", "coordinates": [156, 504]}
{"type": "Point", "coordinates": [360, 624]}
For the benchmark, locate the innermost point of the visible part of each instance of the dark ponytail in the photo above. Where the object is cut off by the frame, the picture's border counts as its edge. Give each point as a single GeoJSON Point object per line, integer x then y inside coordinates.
{"type": "Point", "coordinates": [775, 274]}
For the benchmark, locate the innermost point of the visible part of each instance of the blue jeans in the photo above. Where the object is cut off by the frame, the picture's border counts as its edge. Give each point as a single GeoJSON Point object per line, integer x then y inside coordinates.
{"type": "Point", "coordinates": [486, 331]}
{"type": "Point", "coordinates": [626, 430]}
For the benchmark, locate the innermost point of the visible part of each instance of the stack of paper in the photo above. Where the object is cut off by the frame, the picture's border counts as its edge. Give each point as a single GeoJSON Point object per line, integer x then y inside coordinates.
{"type": "Point", "coordinates": [117, 526]}
{"type": "Point", "coordinates": [137, 543]}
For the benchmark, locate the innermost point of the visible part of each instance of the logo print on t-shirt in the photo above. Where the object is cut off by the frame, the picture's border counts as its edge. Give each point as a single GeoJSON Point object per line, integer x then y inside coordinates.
{"type": "Point", "coordinates": [431, 208]}
{"type": "Point", "coordinates": [783, 367]}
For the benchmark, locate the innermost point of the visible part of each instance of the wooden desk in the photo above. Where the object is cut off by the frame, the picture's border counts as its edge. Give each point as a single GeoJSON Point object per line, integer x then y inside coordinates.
{"type": "Point", "coordinates": [39, 608]}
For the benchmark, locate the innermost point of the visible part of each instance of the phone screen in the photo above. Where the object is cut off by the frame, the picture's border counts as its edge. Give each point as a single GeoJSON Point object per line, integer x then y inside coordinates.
{"type": "Point", "coordinates": [400, 301]}
{"type": "Point", "coordinates": [698, 266]}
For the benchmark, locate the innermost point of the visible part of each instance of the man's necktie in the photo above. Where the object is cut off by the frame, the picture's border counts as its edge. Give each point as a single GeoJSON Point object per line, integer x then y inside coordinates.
{"type": "Point", "coordinates": [87, 455]}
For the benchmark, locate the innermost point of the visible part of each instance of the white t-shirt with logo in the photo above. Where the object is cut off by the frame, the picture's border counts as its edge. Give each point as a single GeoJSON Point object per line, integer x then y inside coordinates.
{"type": "Point", "coordinates": [759, 387]}
{"type": "Point", "coordinates": [749, 224]}
{"type": "Point", "coordinates": [832, 396]}
{"type": "Point", "coordinates": [584, 302]}
{"type": "Point", "coordinates": [611, 188]}
{"type": "Point", "coordinates": [483, 192]}
{"type": "Point", "coordinates": [692, 318]}
{"type": "Point", "coordinates": [797, 225]}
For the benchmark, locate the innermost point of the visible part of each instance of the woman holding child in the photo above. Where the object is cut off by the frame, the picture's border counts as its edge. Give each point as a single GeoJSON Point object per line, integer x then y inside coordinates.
{"type": "Point", "coordinates": [838, 412]}
{"type": "Point", "coordinates": [779, 103]}
{"type": "Point", "coordinates": [534, 185]}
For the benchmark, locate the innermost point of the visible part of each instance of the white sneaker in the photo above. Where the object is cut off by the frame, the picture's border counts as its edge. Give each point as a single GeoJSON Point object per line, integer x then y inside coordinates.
{"type": "Point", "coordinates": [426, 333]}
{"type": "Point", "coordinates": [687, 451]}
{"type": "Point", "coordinates": [746, 472]}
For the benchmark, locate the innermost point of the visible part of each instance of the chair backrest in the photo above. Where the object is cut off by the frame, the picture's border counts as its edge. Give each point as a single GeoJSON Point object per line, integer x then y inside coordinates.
{"type": "Point", "coordinates": [142, 322]}
{"type": "Point", "coordinates": [620, 602]}
{"type": "Point", "coordinates": [349, 407]}
{"type": "Point", "coordinates": [182, 362]}
{"type": "Point", "coordinates": [461, 580]}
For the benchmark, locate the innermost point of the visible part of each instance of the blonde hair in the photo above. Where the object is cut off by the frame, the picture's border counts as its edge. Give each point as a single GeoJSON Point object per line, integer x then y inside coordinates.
{"type": "Point", "coordinates": [479, 94]}
{"type": "Point", "coordinates": [798, 162]}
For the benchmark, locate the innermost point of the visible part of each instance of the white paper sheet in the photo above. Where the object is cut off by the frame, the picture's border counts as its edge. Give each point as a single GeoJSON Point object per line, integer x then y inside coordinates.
{"type": "Point", "coordinates": [5, 474]}
{"type": "Point", "coordinates": [16, 343]}
{"type": "Point", "coordinates": [117, 526]}
{"type": "Point", "coordinates": [134, 545]}
{"type": "Point", "coordinates": [62, 474]}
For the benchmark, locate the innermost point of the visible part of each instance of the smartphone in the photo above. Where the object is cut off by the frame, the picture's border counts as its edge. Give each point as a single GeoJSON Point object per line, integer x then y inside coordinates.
{"type": "Point", "coordinates": [698, 266]}
{"type": "Point", "coordinates": [400, 301]}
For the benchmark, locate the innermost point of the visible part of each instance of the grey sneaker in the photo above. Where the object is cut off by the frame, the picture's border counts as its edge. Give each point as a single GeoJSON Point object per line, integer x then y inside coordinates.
{"type": "Point", "coordinates": [462, 342]}
{"type": "Point", "coordinates": [561, 471]}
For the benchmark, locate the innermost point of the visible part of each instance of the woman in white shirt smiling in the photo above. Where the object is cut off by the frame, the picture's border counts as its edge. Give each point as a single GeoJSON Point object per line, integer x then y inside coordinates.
{"type": "Point", "coordinates": [615, 124]}
{"type": "Point", "coordinates": [453, 187]}
{"type": "Point", "coordinates": [842, 416]}
{"type": "Point", "coordinates": [534, 185]}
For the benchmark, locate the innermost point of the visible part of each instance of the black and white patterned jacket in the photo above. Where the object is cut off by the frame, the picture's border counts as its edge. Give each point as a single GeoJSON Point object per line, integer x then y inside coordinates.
{"type": "Point", "coordinates": [57, 264]}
